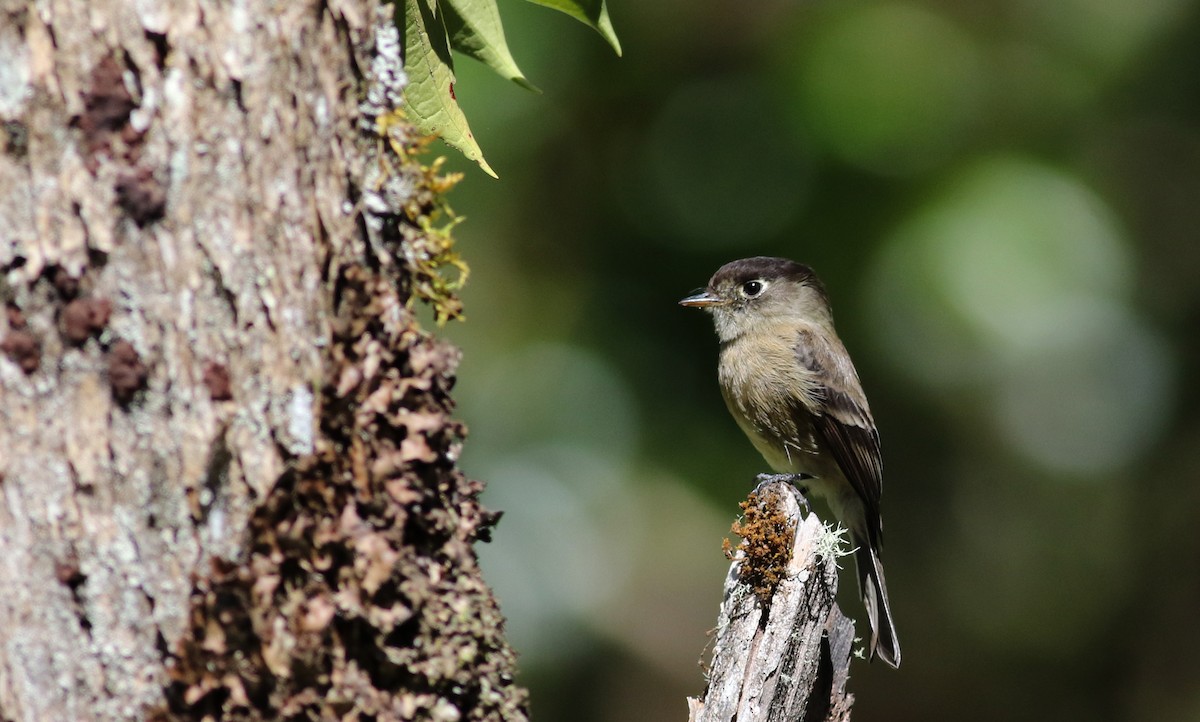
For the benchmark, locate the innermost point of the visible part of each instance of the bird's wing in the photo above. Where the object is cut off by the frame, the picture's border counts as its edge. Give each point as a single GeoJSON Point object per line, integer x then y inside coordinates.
{"type": "Point", "coordinates": [845, 424]}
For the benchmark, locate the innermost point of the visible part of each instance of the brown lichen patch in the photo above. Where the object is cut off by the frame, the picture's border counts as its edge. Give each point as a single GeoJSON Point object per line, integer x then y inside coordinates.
{"type": "Point", "coordinates": [66, 284]}
{"type": "Point", "coordinates": [360, 596]}
{"type": "Point", "coordinates": [84, 318]}
{"type": "Point", "coordinates": [141, 196]}
{"type": "Point", "coordinates": [67, 571]}
{"type": "Point", "coordinates": [14, 316]}
{"type": "Point", "coordinates": [14, 139]}
{"type": "Point", "coordinates": [126, 373]}
{"type": "Point", "coordinates": [107, 132]}
{"type": "Point", "coordinates": [766, 546]}
{"type": "Point", "coordinates": [216, 379]}
{"type": "Point", "coordinates": [23, 348]}
{"type": "Point", "coordinates": [106, 107]}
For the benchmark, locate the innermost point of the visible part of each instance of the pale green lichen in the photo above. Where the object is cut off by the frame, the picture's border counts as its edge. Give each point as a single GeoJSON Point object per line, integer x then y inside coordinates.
{"type": "Point", "coordinates": [415, 191]}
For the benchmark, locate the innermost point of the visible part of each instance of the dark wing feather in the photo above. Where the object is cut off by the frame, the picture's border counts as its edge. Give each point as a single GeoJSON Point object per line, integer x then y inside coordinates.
{"type": "Point", "coordinates": [846, 425]}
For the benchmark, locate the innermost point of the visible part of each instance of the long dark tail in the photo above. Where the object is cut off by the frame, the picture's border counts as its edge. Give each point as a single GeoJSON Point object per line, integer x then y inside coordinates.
{"type": "Point", "coordinates": [874, 594]}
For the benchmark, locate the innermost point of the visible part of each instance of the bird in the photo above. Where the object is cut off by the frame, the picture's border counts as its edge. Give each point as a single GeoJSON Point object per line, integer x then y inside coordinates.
{"type": "Point", "coordinates": [790, 384]}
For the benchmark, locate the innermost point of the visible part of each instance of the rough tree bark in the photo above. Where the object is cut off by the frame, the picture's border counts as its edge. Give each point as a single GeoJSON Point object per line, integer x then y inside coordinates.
{"type": "Point", "coordinates": [782, 649]}
{"type": "Point", "coordinates": [228, 481]}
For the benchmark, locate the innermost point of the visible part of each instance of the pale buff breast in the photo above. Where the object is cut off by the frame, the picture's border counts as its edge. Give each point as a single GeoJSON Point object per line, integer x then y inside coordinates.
{"type": "Point", "coordinates": [762, 383]}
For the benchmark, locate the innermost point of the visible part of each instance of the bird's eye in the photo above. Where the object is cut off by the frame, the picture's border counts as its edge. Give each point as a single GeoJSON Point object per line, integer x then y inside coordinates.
{"type": "Point", "coordinates": [750, 289]}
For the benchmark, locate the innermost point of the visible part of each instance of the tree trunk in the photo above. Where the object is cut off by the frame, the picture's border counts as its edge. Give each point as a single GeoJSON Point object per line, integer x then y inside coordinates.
{"type": "Point", "coordinates": [228, 480]}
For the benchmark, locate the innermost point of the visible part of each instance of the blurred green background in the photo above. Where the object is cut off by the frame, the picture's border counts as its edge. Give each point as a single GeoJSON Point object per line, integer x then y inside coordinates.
{"type": "Point", "coordinates": [1003, 199]}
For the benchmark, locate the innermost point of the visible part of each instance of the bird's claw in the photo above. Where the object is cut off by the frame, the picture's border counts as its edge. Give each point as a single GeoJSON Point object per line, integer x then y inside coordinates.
{"type": "Point", "coordinates": [765, 480]}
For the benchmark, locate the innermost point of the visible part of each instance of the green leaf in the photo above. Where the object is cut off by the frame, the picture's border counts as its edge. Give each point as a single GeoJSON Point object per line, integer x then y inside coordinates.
{"type": "Point", "coordinates": [593, 13]}
{"type": "Point", "coordinates": [431, 105]}
{"type": "Point", "coordinates": [475, 31]}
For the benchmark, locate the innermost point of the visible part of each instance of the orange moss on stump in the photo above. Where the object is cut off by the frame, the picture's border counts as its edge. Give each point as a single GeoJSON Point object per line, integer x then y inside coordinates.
{"type": "Point", "coordinates": [766, 546]}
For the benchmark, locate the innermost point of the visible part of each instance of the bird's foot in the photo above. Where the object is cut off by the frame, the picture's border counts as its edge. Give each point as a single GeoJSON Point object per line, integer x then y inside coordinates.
{"type": "Point", "coordinates": [765, 480]}
{"type": "Point", "coordinates": [793, 479]}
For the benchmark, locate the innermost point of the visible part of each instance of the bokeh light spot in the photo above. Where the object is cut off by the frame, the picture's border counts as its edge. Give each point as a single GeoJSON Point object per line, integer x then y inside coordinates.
{"type": "Point", "coordinates": [1017, 282]}
{"type": "Point", "coordinates": [549, 392]}
{"type": "Point", "coordinates": [891, 87]}
{"type": "Point", "coordinates": [564, 549]}
{"type": "Point", "coordinates": [1090, 400]}
{"type": "Point", "coordinates": [1103, 34]}
{"type": "Point", "coordinates": [748, 183]}
{"type": "Point", "coordinates": [1015, 238]}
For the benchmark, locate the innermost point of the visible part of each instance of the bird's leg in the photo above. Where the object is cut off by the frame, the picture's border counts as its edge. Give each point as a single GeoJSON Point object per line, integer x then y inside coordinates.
{"type": "Point", "coordinates": [765, 480]}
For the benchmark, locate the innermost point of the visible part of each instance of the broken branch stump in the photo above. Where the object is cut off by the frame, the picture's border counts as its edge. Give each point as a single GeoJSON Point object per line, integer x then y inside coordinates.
{"type": "Point", "coordinates": [782, 649]}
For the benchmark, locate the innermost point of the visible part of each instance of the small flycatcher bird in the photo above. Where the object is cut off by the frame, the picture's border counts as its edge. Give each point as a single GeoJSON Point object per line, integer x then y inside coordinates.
{"type": "Point", "coordinates": [791, 387]}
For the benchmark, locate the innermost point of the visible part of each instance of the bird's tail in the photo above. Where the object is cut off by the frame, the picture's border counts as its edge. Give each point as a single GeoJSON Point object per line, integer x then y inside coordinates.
{"type": "Point", "coordinates": [875, 599]}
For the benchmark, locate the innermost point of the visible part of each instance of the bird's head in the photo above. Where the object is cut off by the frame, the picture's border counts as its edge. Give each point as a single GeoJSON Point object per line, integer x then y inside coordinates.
{"type": "Point", "coordinates": [761, 291]}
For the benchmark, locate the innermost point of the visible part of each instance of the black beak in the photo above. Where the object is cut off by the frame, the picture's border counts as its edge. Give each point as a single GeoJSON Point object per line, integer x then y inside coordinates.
{"type": "Point", "coordinates": [702, 299]}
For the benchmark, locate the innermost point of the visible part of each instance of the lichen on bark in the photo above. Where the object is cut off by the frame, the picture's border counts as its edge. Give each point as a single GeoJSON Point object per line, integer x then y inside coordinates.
{"type": "Point", "coordinates": [362, 593]}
